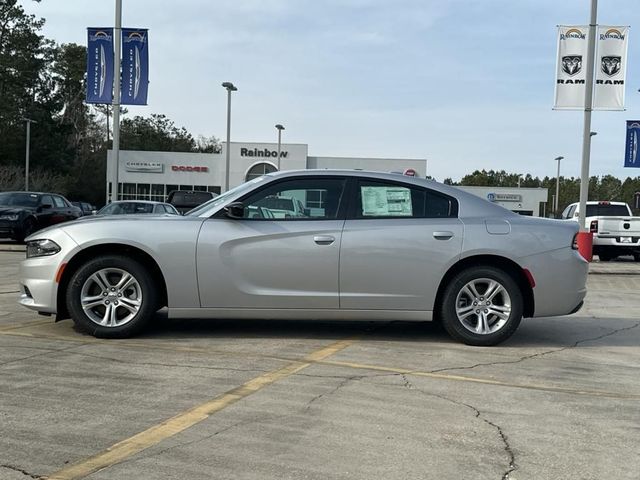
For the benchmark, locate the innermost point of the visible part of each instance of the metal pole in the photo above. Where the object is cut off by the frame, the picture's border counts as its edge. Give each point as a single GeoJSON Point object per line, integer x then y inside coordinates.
{"type": "Point", "coordinates": [588, 104]}
{"type": "Point", "coordinates": [230, 88]}
{"type": "Point", "coordinates": [279, 128]}
{"type": "Point", "coordinates": [228, 150]}
{"type": "Point", "coordinates": [556, 203]}
{"type": "Point", "coordinates": [26, 158]}
{"type": "Point", "coordinates": [116, 94]}
{"type": "Point", "coordinates": [279, 141]}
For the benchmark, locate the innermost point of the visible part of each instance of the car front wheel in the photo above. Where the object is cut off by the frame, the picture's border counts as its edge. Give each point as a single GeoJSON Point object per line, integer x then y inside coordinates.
{"type": "Point", "coordinates": [482, 306]}
{"type": "Point", "coordinates": [111, 296]}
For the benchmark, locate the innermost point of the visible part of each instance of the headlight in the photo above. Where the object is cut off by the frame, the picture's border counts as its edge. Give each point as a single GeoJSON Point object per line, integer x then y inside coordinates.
{"type": "Point", "coordinates": [11, 218]}
{"type": "Point", "coordinates": [42, 248]}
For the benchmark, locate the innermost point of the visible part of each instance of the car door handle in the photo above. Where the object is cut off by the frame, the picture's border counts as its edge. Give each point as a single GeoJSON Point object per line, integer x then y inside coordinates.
{"type": "Point", "coordinates": [442, 235]}
{"type": "Point", "coordinates": [324, 239]}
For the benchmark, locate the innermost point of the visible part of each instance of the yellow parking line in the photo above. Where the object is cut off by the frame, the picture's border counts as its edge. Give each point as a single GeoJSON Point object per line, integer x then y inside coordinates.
{"type": "Point", "coordinates": [154, 435]}
{"type": "Point", "coordinates": [486, 381]}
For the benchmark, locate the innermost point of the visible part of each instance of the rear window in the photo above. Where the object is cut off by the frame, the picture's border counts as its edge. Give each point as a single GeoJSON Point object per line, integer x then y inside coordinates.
{"type": "Point", "coordinates": [189, 199]}
{"type": "Point", "coordinates": [607, 211]}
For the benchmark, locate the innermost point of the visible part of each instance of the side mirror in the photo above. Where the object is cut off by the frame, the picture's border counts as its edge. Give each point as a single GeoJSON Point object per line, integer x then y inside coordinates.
{"type": "Point", "coordinates": [44, 206]}
{"type": "Point", "coordinates": [234, 210]}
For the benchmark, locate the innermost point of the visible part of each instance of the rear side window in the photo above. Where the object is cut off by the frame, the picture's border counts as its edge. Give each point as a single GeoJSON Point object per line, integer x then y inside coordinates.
{"type": "Point", "coordinates": [378, 199]}
{"type": "Point", "coordinates": [59, 202]}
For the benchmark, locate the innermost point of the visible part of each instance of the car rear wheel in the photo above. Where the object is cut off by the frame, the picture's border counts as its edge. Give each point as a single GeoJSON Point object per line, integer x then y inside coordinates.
{"type": "Point", "coordinates": [482, 306]}
{"type": "Point", "coordinates": [111, 296]}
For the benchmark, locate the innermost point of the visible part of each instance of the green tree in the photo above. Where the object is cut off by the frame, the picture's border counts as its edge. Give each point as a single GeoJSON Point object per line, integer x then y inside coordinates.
{"type": "Point", "coordinates": [155, 133]}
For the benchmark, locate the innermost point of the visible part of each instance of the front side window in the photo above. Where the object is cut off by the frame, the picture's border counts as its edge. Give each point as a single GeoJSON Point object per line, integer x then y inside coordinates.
{"type": "Point", "coordinates": [379, 199]}
{"type": "Point", "coordinates": [300, 199]}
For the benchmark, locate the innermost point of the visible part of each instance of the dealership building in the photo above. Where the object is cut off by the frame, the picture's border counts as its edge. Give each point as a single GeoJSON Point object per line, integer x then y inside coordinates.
{"type": "Point", "coordinates": [152, 175]}
{"type": "Point", "coordinates": [146, 175]}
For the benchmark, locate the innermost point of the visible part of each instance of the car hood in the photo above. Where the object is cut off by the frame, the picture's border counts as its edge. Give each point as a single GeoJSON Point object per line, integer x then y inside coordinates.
{"type": "Point", "coordinates": [4, 210]}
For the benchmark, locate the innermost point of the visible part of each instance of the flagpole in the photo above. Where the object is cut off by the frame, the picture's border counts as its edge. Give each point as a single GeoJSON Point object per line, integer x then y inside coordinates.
{"type": "Point", "coordinates": [586, 132]}
{"type": "Point", "coordinates": [116, 94]}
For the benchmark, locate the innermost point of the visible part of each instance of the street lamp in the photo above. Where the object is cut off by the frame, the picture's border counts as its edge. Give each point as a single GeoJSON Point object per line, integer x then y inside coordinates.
{"type": "Point", "coordinates": [26, 157]}
{"type": "Point", "coordinates": [555, 206]}
{"type": "Point", "coordinates": [230, 88]}
{"type": "Point", "coordinates": [280, 128]}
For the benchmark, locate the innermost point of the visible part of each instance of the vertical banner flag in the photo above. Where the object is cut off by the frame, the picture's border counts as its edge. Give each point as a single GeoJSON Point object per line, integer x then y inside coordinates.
{"type": "Point", "coordinates": [571, 71]}
{"type": "Point", "coordinates": [135, 66]}
{"type": "Point", "coordinates": [100, 65]}
{"type": "Point", "coordinates": [610, 68]}
{"type": "Point", "coordinates": [631, 149]}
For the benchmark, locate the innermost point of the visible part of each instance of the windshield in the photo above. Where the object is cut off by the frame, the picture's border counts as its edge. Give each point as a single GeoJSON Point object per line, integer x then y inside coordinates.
{"type": "Point", "coordinates": [221, 199]}
{"type": "Point", "coordinates": [126, 208]}
{"type": "Point", "coordinates": [19, 199]}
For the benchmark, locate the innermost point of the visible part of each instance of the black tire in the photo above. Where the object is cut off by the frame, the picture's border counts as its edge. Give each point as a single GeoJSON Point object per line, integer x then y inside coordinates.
{"type": "Point", "coordinates": [28, 228]}
{"type": "Point", "coordinates": [636, 257]}
{"type": "Point", "coordinates": [132, 317]}
{"type": "Point", "coordinates": [606, 257]}
{"type": "Point", "coordinates": [508, 298]}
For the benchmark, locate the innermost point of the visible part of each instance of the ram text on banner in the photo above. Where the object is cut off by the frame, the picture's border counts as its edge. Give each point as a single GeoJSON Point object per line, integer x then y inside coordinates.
{"type": "Point", "coordinates": [631, 148]}
{"type": "Point", "coordinates": [571, 67]}
{"type": "Point", "coordinates": [99, 65]}
{"type": "Point", "coordinates": [135, 66]}
{"type": "Point", "coordinates": [610, 68]}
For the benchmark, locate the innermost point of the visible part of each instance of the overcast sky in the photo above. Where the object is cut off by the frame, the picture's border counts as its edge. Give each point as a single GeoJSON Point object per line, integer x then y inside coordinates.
{"type": "Point", "coordinates": [467, 84]}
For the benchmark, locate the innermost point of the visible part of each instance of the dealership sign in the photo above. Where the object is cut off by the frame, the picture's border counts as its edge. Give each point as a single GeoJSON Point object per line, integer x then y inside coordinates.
{"type": "Point", "coordinates": [610, 67]}
{"type": "Point", "coordinates": [261, 152]}
{"type": "Point", "coordinates": [631, 145]}
{"type": "Point", "coordinates": [135, 66]}
{"type": "Point", "coordinates": [189, 168]}
{"type": "Point", "coordinates": [144, 167]}
{"type": "Point", "coordinates": [99, 65]}
{"type": "Point", "coordinates": [504, 197]}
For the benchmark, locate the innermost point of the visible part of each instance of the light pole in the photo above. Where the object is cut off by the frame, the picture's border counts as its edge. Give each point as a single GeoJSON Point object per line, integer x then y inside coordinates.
{"type": "Point", "coordinates": [115, 102]}
{"type": "Point", "coordinates": [26, 156]}
{"type": "Point", "coordinates": [519, 178]}
{"type": "Point", "coordinates": [555, 205]}
{"type": "Point", "coordinates": [230, 88]}
{"type": "Point", "coordinates": [280, 128]}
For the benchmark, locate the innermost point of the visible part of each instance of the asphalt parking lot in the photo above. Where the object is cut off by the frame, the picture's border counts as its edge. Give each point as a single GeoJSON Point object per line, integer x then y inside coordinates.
{"type": "Point", "coordinates": [320, 400]}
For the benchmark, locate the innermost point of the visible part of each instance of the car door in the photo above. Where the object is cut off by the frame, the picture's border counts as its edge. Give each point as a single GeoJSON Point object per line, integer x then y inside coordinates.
{"type": "Point", "coordinates": [62, 210]}
{"type": "Point", "coordinates": [259, 261]}
{"type": "Point", "coordinates": [46, 211]}
{"type": "Point", "coordinates": [397, 243]}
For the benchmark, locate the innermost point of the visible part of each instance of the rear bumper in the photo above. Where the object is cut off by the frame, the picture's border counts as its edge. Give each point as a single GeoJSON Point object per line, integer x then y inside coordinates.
{"type": "Point", "coordinates": [561, 281]}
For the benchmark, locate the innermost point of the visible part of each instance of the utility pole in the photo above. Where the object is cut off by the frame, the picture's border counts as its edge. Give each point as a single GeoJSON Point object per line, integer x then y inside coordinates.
{"type": "Point", "coordinates": [27, 152]}
{"type": "Point", "coordinates": [116, 94]}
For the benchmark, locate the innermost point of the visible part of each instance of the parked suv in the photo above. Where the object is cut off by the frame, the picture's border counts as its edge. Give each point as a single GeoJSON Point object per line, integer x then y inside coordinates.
{"type": "Point", "coordinates": [22, 213]}
{"type": "Point", "coordinates": [185, 200]}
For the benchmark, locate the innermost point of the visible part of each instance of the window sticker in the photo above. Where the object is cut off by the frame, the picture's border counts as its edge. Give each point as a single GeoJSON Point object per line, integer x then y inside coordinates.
{"type": "Point", "coordinates": [386, 201]}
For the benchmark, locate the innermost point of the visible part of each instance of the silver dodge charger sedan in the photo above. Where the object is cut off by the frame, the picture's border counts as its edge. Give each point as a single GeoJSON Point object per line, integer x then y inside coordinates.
{"type": "Point", "coordinates": [358, 246]}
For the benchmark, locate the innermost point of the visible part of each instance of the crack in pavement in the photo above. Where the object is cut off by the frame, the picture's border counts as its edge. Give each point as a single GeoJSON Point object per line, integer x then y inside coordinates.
{"type": "Point", "coordinates": [540, 354]}
{"type": "Point", "coordinates": [334, 390]}
{"type": "Point", "coordinates": [478, 414]}
{"type": "Point", "coordinates": [20, 470]}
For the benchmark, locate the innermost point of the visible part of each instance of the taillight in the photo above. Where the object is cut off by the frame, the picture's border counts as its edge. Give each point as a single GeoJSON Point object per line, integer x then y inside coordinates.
{"type": "Point", "coordinates": [593, 228]}
{"type": "Point", "coordinates": [574, 244]}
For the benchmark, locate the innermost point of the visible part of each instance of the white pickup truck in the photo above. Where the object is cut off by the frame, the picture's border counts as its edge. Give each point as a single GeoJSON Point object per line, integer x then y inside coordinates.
{"type": "Point", "coordinates": [615, 230]}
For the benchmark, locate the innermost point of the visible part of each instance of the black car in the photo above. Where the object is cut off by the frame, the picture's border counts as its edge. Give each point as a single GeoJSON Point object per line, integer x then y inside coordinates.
{"type": "Point", "coordinates": [22, 213]}
{"type": "Point", "coordinates": [86, 208]}
{"type": "Point", "coordinates": [185, 200]}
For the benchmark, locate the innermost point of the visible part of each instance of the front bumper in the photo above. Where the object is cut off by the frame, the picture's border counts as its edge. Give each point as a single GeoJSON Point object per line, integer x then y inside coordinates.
{"type": "Point", "coordinates": [8, 229]}
{"type": "Point", "coordinates": [37, 276]}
